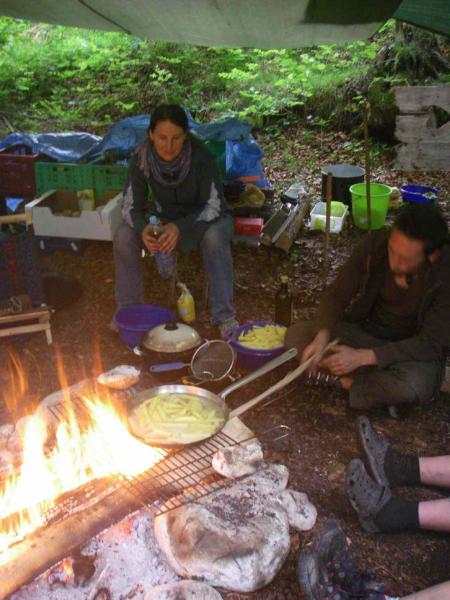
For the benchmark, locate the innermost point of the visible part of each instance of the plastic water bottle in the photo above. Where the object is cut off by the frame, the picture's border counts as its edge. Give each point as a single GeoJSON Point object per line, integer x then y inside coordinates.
{"type": "Point", "coordinates": [165, 261]}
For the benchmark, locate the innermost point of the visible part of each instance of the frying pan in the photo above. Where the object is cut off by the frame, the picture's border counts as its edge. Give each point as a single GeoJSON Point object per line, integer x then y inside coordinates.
{"type": "Point", "coordinates": [219, 399]}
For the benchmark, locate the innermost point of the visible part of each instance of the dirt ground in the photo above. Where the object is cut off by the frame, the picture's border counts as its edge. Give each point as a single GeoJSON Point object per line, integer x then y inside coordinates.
{"type": "Point", "coordinates": [322, 436]}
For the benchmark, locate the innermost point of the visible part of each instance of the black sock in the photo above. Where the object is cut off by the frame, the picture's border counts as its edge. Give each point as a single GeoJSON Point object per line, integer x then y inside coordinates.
{"type": "Point", "coordinates": [401, 469]}
{"type": "Point", "coordinates": [397, 515]}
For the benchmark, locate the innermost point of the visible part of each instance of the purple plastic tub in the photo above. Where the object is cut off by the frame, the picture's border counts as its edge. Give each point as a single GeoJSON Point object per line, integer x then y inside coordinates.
{"type": "Point", "coordinates": [419, 193]}
{"type": "Point", "coordinates": [135, 320]}
{"type": "Point", "coordinates": [247, 357]}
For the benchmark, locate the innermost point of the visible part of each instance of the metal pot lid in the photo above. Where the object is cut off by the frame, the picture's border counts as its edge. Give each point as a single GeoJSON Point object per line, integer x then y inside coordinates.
{"type": "Point", "coordinates": [171, 337]}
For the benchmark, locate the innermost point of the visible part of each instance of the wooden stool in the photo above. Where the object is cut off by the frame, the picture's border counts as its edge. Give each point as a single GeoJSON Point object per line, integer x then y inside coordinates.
{"type": "Point", "coordinates": [18, 323]}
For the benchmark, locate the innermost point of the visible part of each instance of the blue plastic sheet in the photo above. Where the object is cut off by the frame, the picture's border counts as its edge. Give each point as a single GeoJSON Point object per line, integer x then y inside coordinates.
{"type": "Point", "coordinates": [243, 154]}
{"type": "Point", "coordinates": [13, 203]}
{"type": "Point", "coordinates": [122, 138]}
{"type": "Point", "coordinates": [64, 147]}
{"type": "Point", "coordinates": [219, 131]}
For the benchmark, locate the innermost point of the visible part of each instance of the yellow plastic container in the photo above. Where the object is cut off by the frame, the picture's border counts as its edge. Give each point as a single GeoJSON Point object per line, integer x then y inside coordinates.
{"type": "Point", "coordinates": [186, 304]}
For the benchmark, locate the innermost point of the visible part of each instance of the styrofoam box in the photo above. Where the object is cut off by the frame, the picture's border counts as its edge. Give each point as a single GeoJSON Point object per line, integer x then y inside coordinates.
{"type": "Point", "coordinates": [318, 218]}
{"type": "Point", "coordinates": [48, 218]}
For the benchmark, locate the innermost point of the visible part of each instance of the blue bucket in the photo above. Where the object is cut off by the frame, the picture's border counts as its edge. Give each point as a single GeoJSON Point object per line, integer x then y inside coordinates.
{"type": "Point", "coordinates": [135, 320]}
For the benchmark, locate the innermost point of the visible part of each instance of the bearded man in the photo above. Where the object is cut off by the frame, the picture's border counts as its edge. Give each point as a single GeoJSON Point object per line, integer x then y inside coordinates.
{"type": "Point", "coordinates": [390, 308]}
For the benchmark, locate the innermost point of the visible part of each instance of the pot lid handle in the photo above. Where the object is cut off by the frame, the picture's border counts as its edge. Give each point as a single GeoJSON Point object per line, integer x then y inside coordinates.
{"type": "Point", "coordinates": [171, 326]}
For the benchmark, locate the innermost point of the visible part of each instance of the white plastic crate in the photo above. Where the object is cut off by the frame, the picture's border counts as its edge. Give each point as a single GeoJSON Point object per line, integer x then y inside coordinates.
{"type": "Point", "coordinates": [56, 214]}
{"type": "Point", "coordinates": [318, 217]}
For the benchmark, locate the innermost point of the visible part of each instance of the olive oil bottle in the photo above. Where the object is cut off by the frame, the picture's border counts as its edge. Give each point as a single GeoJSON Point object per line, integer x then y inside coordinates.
{"type": "Point", "coordinates": [283, 303]}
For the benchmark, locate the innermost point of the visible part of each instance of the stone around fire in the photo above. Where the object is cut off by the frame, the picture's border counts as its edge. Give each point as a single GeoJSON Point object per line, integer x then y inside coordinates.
{"type": "Point", "coordinates": [183, 590]}
{"type": "Point", "coordinates": [236, 538]}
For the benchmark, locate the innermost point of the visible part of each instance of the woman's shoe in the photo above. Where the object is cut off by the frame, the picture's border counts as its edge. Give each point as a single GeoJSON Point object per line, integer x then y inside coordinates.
{"type": "Point", "coordinates": [226, 327]}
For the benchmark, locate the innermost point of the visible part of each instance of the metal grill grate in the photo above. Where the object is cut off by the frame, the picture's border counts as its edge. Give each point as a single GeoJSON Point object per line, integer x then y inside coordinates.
{"type": "Point", "coordinates": [181, 476]}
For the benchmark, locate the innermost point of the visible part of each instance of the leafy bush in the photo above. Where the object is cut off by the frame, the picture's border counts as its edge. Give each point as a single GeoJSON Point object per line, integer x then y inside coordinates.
{"type": "Point", "coordinates": [55, 77]}
{"type": "Point", "coordinates": [59, 78]}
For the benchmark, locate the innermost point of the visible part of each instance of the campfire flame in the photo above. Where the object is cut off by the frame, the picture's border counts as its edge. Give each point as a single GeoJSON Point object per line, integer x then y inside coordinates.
{"type": "Point", "coordinates": [101, 448]}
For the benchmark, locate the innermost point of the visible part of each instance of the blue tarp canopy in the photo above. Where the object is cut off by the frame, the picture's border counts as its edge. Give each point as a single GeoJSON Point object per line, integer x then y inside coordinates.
{"type": "Point", "coordinates": [121, 139]}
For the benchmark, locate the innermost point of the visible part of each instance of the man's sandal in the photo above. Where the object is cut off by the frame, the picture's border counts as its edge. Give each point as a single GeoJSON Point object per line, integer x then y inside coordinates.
{"type": "Point", "coordinates": [366, 496]}
{"type": "Point", "coordinates": [375, 446]}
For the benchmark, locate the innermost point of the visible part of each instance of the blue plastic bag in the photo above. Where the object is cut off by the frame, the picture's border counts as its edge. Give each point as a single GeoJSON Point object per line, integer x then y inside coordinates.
{"type": "Point", "coordinates": [243, 162]}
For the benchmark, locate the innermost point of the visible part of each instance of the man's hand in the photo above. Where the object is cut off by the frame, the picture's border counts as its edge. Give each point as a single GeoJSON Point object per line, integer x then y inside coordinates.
{"type": "Point", "coordinates": [316, 347]}
{"type": "Point", "coordinates": [165, 242]}
{"type": "Point", "coordinates": [344, 359]}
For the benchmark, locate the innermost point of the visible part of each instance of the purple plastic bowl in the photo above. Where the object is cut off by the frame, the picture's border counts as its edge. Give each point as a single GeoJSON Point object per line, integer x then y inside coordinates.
{"type": "Point", "coordinates": [247, 357]}
{"type": "Point", "coordinates": [135, 320]}
{"type": "Point", "coordinates": [416, 193]}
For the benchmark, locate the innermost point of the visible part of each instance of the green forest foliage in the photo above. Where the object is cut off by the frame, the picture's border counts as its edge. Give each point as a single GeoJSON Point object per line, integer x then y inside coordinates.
{"type": "Point", "coordinates": [56, 78]}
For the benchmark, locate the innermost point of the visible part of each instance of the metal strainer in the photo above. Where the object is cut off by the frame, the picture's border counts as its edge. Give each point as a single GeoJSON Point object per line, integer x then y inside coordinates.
{"type": "Point", "coordinates": [212, 361]}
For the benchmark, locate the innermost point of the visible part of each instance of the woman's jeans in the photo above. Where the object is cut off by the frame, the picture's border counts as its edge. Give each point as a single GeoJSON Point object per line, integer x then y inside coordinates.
{"type": "Point", "coordinates": [215, 245]}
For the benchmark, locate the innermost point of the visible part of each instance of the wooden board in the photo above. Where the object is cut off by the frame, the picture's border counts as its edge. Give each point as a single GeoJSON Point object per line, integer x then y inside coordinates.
{"type": "Point", "coordinates": [425, 156]}
{"type": "Point", "coordinates": [425, 146]}
{"type": "Point", "coordinates": [416, 99]}
{"type": "Point", "coordinates": [287, 237]}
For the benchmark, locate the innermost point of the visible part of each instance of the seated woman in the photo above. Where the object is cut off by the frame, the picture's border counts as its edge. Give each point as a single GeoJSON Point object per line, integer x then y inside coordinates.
{"type": "Point", "coordinates": [183, 182]}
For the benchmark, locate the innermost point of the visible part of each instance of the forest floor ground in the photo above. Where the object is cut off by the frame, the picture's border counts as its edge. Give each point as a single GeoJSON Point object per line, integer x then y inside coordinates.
{"type": "Point", "coordinates": [322, 436]}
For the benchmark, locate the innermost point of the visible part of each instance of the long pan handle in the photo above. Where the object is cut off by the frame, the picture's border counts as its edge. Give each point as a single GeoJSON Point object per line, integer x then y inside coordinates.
{"type": "Point", "coordinates": [282, 383]}
{"type": "Point", "coordinates": [273, 364]}
{"type": "Point", "coordinates": [162, 367]}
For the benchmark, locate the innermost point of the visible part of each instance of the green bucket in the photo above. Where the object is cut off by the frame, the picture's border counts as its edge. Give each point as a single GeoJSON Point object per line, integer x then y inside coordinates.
{"type": "Point", "coordinates": [379, 202]}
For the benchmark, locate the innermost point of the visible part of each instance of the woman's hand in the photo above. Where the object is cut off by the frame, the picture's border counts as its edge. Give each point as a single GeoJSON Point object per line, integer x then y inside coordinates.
{"type": "Point", "coordinates": [168, 239]}
{"type": "Point", "coordinates": [165, 242]}
{"type": "Point", "coordinates": [150, 241]}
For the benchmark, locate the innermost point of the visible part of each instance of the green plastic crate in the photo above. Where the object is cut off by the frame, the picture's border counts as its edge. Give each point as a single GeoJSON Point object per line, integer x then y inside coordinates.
{"type": "Point", "coordinates": [109, 178]}
{"type": "Point", "coordinates": [63, 176]}
{"type": "Point", "coordinates": [74, 176]}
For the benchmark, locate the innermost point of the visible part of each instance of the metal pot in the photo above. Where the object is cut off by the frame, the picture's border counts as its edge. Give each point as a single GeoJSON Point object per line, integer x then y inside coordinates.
{"type": "Point", "coordinates": [343, 177]}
